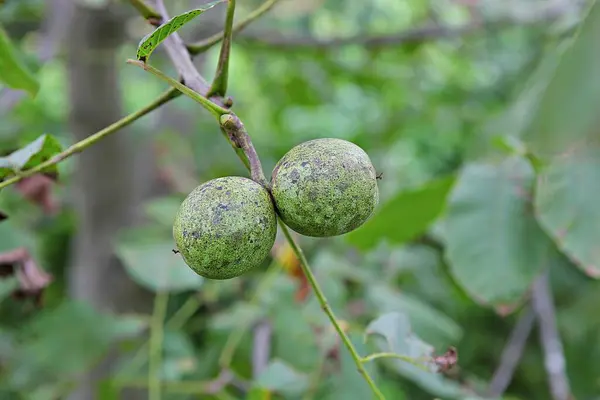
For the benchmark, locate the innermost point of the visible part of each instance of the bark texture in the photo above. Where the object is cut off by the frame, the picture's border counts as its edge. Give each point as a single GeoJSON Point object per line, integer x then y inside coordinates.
{"type": "Point", "coordinates": [112, 177]}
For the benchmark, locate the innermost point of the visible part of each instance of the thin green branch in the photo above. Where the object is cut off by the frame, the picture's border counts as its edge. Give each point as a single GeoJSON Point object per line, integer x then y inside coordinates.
{"type": "Point", "coordinates": [90, 140]}
{"type": "Point", "coordinates": [219, 85]}
{"type": "Point", "coordinates": [205, 44]}
{"type": "Point", "coordinates": [147, 11]}
{"type": "Point", "coordinates": [215, 109]}
{"type": "Point", "coordinates": [407, 359]}
{"type": "Point", "coordinates": [327, 309]}
{"type": "Point", "coordinates": [161, 301]}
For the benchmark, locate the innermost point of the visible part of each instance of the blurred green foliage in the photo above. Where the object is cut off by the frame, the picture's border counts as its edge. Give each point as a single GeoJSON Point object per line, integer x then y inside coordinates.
{"type": "Point", "coordinates": [490, 176]}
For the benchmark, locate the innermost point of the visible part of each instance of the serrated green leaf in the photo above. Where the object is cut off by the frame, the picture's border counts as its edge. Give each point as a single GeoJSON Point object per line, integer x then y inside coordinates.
{"type": "Point", "coordinates": [282, 378]}
{"type": "Point", "coordinates": [151, 41]}
{"type": "Point", "coordinates": [147, 253]}
{"type": "Point", "coordinates": [13, 71]}
{"type": "Point", "coordinates": [405, 216]}
{"type": "Point", "coordinates": [494, 245]}
{"type": "Point", "coordinates": [567, 114]}
{"type": "Point", "coordinates": [566, 203]}
{"type": "Point", "coordinates": [35, 153]}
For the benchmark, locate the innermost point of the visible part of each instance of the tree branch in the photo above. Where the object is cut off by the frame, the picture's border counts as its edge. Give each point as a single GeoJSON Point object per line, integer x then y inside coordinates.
{"type": "Point", "coordinates": [554, 358]}
{"type": "Point", "coordinates": [181, 58]}
{"type": "Point", "coordinates": [90, 140]}
{"type": "Point", "coordinates": [205, 44]}
{"type": "Point", "coordinates": [148, 12]}
{"type": "Point", "coordinates": [412, 36]}
{"type": "Point", "coordinates": [512, 354]}
{"type": "Point", "coordinates": [214, 108]}
{"type": "Point", "coordinates": [219, 84]}
{"type": "Point", "coordinates": [236, 131]}
{"type": "Point", "coordinates": [546, 12]}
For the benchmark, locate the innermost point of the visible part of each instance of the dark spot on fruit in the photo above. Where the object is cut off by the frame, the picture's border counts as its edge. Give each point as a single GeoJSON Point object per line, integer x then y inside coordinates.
{"type": "Point", "coordinates": [304, 163]}
{"type": "Point", "coordinates": [219, 187]}
{"type": "Point", "coordinates": [295, 175]}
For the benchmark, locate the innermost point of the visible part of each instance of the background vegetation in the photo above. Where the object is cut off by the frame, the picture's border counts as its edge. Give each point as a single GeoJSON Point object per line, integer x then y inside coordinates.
{"type": "Point", "coordinates": [480, 114]}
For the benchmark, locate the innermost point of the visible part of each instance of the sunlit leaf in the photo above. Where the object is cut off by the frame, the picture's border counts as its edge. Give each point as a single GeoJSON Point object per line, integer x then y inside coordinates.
{"type": "Point", "coordinates": [35, 153]}
{"type": "Point", "coordinates": [567, 115]}
{"type": "Point", "coordinates": [405, 216]}
{"type": "Point", "coordinates": [494, 245]}
{"type": "Point", "coordinates": [566, 202]}
{"type": "Point", "coordinates": [147, 253]}
{"type": "Point", "coordinates": [282, 378]}
{"type": "Point", "coordinates": [13, 71]}
{"type": "Point", "coordinates": [151, 41]}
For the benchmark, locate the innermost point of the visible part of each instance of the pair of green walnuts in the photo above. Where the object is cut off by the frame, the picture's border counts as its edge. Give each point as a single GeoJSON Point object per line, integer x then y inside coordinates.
{"type": "Point", "coordinates": [320, 188]}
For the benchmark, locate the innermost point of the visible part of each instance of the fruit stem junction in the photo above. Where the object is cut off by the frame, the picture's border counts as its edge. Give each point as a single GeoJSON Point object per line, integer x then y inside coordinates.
{"type": "Point", "coordinates": [239, 137]}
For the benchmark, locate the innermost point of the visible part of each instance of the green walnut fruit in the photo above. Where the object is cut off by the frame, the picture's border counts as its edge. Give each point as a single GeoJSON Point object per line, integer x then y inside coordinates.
{"type": "Point", "coordinates": [325, 187]}
{"type": "Point", "coordinates": [225, 227]}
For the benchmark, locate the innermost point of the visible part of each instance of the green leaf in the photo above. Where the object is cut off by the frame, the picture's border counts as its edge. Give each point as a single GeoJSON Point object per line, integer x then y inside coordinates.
{"type": "Point", "coordinates": [395, 328]}
{"type": "Point", "coordinates": [566, 203]}
{"type": "Point", "coordinates": [393, 333]}
{"type": "Point", "coordinates": [567, 115]}
{"type": "Point", "coordinates": [74, 333]}
{"type": "Point", "coordinates": [35, 153]}
{"type": "Point", "coordinates": [13, 71]}
{"type": "Point", "coordinates": [430, 324]}
{"type": "Point", "coordinates": [282, 378]}
{"type": "Point", "coordinates": [405, 216]}
{"type": "Point", "coordinates": [151, 41]}
{"type": "Point", "coordinates": [494, 245]}
{"type": "Point", "coordinates": [147, 253]}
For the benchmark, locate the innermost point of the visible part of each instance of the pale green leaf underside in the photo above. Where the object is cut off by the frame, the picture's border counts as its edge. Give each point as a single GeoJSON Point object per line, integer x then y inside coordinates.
{"type": "Point", "coordinates": [151, 41]}
{"type": "Point", "coordinates": [35, 153]}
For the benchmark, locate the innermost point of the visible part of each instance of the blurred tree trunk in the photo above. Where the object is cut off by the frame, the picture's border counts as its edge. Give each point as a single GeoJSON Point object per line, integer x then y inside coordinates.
{"type": "Point", "coordinates": [112, 178]}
